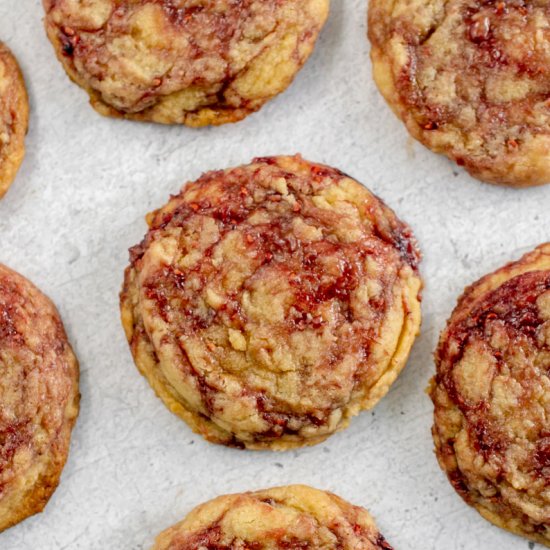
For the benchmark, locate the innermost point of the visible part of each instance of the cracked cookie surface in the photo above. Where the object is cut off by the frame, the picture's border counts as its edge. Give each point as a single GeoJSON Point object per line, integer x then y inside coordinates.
{"type": "Point", "coordinates": [270, 303]}
{"type": "Point", "coordinates": [492, 396]}
{"type": "Point", "coordinates": [293, 517]}
{"type": "Point", "coordinates": [194, 62]}
{"type": "Point", "coordinates": [14, 118]}
{"type": "Point", "coordinates": [470, 79]}
{"type": "Point", "coordinates": [38, 396]}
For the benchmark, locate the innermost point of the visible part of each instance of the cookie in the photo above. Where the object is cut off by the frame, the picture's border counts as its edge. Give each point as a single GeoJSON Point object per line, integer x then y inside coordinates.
{"type": "Point", "coordinates": [14, 118]}
{"type": "Point", "coordinates": [39, 398]}
{"type": "Point", "coordinates": [492, 396]}
{"type": "Point", "coordinates": [271, 302]}
{"type": "Point", "coordinates": [290, 517]}
{"type": "Point", "coordinates": [470, 79]}
{"type": "Point", "coordinates": [193, 62]}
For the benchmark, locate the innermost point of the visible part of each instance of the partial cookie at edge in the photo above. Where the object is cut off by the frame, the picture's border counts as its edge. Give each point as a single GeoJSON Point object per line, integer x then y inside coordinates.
{"type": "Point", "coordinates": [492, 396]}
{"type": "Point", "coordinates": [296, 516]}
{"type": "Point", "coordinates": [14, 118]}
{"type": "Point", "coordinates": [39, 395]}
{"type": "Point", "coordinates": [210, 63]}
{"type": "Point", "coordinates": [469, 80]}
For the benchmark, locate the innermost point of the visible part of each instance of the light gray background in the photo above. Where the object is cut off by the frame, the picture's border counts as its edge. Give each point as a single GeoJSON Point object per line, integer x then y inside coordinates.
{"type": "Point", "coordinates": [78, 205]}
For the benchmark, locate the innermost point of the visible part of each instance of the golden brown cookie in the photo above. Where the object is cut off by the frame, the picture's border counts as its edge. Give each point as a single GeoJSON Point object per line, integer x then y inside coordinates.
{"type": "Point", "coordinates": [14, 118]}
{"type": "Point", "coordinates": [38, 398]}
{"type": "Point", "coordinates": [292, 518]}
{"type": "Point", "coordinates": [270, 303]}
{"type": "Point", "coordinates": [470, 79]}
{"type": "Point", "coordinates": [492, 396]}
{"type": "Point", "coordinates": [194, 62]}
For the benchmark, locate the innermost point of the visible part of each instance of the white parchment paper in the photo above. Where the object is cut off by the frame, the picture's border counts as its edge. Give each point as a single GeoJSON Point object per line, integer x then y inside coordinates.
{"type": "Point", "coordinates": [78, 205]}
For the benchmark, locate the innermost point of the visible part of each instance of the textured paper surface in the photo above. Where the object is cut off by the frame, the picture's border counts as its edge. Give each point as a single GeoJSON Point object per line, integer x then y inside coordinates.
{"type": "Point", "coordinates": [78, 205]}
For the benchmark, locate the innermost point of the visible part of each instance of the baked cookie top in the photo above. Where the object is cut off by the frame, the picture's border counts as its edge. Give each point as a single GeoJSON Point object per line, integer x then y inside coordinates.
{"type": "Point", "coordinates": [14, 118]}
{"type": "Point", "coordinates": [269, 303]}
{"type": "Point", "coordinates": [195, 62]}
{"type": "Point", "coordinates": [292, 517]}
{"type": "Point", "coordinates": [492, 396]}
{"type": "Point", "coordinates": [470, 79]}
{"type": "Point", "coordinates": [38, 395]}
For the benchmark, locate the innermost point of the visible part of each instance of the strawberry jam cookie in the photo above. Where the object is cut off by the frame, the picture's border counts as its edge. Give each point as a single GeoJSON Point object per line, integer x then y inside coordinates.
{"type": "Point", "coordinates": [470, 79]}
{"type": "Point", "coordinates": [14, 118]}
{"type": "Point", "coordinates": [38, 398]}
{"type": "Point", "coordinates": [293, 517]}
{"type": "Point", "coordinates": [269, 303]}
{"type": "Point", "coordinates": [492, 396]}
{"type": "Point", "coordinates": [194, 62]}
